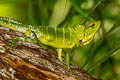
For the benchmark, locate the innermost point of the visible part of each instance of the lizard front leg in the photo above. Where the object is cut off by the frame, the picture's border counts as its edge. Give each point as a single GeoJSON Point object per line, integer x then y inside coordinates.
{"type": "Point", "coordinates": [68, 57]}
{"type": "Point", "coordinates": [59, 51]}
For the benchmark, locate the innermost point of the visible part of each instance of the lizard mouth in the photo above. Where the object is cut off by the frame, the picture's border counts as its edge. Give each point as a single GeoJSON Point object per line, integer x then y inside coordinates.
{"type": "Point", "coordinates": [84, 42]}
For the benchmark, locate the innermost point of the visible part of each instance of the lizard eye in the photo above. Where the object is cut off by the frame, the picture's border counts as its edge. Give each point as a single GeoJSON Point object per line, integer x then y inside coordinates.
{"type": "Point", "coordinates": [80, 41]}
{"type": "Point", "coordinates": [91, 24]}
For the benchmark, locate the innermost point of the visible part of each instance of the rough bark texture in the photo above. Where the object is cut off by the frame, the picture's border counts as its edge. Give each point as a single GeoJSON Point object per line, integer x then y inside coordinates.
{"type": "Point", "coordinates": [29, 61]}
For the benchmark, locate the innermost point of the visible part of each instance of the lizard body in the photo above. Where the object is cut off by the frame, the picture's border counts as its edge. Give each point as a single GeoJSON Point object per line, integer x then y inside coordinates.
{"type": "Point", "coordinates": [56, 37]}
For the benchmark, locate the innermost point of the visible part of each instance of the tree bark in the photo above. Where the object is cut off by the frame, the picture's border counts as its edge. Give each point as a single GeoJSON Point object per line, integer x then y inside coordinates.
{"type": "Point", "coordinates": [29, 61]}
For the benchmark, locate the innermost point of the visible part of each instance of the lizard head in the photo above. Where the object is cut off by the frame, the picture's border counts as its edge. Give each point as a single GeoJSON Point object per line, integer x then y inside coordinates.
{"type": "Point", "coordinates": [88, 32]}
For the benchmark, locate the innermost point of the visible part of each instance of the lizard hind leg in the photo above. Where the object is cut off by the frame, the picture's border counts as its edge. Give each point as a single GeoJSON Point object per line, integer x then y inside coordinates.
{"type": "Point", "coordinates": [32, 38]}
{"type": "Point", "coordinates": [22, 39]}
{"type": "Point", "coordinates": [14, 43]}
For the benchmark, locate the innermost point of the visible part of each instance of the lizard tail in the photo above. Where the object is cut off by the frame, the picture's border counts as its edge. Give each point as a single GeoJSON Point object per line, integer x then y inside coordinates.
{"type": "Point", "coordinates": [12, 24]}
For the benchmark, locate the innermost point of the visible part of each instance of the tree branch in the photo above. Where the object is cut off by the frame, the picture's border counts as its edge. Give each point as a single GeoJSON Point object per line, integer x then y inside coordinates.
{"type": "Point", "coordinates": [29, 61]}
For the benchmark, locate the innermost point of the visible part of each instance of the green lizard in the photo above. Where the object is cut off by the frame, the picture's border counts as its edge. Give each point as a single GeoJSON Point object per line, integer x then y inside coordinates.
{"type": "Point", "coordinates": [59, 38]}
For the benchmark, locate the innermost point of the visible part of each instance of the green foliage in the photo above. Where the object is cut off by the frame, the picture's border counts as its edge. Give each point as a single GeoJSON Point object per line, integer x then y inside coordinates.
{"type": "Point", "coordinates": [101, 57]}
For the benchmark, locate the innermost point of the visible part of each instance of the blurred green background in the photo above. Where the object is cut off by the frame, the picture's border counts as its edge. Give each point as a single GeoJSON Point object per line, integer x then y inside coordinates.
{"type": "Point", "coordinates": [101, 58]}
